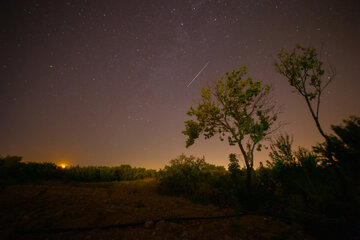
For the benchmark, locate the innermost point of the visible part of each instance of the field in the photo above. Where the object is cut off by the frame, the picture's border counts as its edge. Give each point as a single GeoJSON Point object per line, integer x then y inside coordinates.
{"type": "Point", "coordinates": [124, 210]}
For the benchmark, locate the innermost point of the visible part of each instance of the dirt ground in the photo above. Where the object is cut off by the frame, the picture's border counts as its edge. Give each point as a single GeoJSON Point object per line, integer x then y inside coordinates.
{"type": "Point", "coordinates": [98, 210]}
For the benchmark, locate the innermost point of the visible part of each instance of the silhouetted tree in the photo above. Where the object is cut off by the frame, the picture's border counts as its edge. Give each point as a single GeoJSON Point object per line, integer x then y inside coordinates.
{"type": "Point", "coordinates": [304, 71]}
{"type": "Point", "coordinates": [345, 145]}
{"type": "Point", "coordinates": [236, 108]}
{"type": "Point", "coordinates": [234, 167]}
{"type": "Point", "coordinates": [10, 160]}
{"type": "Point", "coordinates": [281, 152]}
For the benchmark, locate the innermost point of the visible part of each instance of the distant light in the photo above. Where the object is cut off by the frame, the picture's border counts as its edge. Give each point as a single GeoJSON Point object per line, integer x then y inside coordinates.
{"type": "Point", "coordinates": [63, 165]}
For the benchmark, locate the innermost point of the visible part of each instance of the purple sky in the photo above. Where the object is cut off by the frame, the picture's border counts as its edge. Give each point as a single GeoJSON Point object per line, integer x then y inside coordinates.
{"type": "Point", "coordinates": [105, 82]}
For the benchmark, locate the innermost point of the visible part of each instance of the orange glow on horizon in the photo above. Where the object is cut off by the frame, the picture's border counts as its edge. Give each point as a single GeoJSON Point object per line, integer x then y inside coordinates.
{"type": "Point", "coordinates": [63, 165]}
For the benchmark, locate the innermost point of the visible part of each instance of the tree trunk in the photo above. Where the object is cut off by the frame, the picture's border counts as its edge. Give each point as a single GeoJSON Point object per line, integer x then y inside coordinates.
{"type": "Point", "coordinates": [248, 181]}
{"type": "Point", "coordinates": [316, 119]}
{"type": "Point", "coordinates": [248, 169]}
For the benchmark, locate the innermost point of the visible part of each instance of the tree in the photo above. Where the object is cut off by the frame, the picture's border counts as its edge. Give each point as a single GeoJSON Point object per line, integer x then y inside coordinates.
{"type": "Point", "coordinates": [281, 152]}
{"type": "Point", "coordinates": [345, 145]}
{"type": "Point", "coordinates": [304, 71]}
{"type": "Point", "coordinates": [236, 108]}
{"type": "Point", "coordinates": [234, 166]}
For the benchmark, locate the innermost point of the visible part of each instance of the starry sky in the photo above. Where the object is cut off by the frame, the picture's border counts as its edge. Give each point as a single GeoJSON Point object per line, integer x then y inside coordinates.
{"type": "Point", "coordinates": [107, 82]}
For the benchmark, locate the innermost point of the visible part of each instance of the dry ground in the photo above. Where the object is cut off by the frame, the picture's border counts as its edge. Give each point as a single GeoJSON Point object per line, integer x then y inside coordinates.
{"type": "Point", "coordinates": [29, 211]}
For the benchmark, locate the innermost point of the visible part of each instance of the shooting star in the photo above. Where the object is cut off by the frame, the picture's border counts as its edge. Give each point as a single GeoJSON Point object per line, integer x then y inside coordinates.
{"type": "Point", "coordinates": [198, 74]}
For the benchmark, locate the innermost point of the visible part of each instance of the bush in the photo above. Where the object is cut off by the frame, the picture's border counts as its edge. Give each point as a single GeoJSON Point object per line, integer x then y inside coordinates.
{"type": "Point", "coordinates": [196, 179]}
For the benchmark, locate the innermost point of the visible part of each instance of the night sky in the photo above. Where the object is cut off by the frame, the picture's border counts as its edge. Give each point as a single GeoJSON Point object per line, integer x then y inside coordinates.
{"type": "Point", "coordinates": [105, 82]}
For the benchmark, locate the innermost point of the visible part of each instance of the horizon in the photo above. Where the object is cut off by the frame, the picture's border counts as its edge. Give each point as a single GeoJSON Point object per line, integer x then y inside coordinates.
{"type": "Point", "coordinates": [109, 83]}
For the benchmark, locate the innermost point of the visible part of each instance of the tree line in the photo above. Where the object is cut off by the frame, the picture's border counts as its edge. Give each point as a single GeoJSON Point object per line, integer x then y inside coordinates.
{"type": "Point", "coordinates": [14, 171]}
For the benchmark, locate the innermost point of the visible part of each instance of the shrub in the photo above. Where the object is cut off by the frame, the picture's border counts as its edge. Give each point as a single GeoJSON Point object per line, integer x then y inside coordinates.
{"type": "Point", "coordinates": [198, 180]}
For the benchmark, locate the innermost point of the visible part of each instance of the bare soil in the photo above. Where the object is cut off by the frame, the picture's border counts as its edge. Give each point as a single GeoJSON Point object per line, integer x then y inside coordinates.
{"type": "Point", "coordinates": [56, 210]}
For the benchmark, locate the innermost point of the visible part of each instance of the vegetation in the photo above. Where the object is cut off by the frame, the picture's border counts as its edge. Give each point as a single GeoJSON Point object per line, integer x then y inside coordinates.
{"type": "Point", "coordinates": [236, 108]}
{"type": "Point", "coordinates": [298, 185]}
{"type": "Point", "coordinates": [13, 171]}
{"type": "Point", "coordinates": [194, 178]}
{"type": "Point", "coordinates": [319, 188]}
{"type": "Point", "coordinates": [106, 174]}
{"type": "Point", "coordinates": [304, 71]}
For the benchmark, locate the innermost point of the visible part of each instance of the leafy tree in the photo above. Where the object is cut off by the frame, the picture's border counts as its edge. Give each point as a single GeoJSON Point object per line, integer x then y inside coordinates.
{"type": "Point", "coordinates": [304, 71]}
{"type": "Point", "coordinates": [238, 108]}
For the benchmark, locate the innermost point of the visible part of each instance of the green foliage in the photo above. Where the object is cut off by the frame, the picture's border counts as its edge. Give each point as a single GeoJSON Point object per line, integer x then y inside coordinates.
{"type": "Point", "coordinates": [183, 171]}
{"type": "Point", "coordinates": [303, 69]}
{"type": "Point", "coordinates": [192, 129]}
{"type": "Point", "coordinates": [236, 108]}
{"type": "Point", "coordinates": [193, 177]}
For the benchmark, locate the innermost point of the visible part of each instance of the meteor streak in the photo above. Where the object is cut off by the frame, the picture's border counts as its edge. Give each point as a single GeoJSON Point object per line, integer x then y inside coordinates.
{"type": "Point", "coordinates": [198, 74]}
